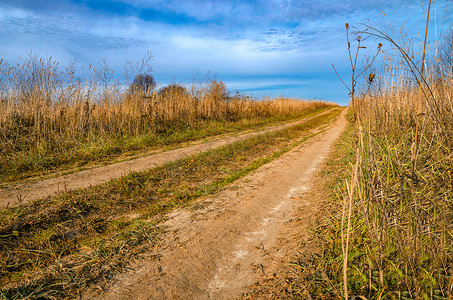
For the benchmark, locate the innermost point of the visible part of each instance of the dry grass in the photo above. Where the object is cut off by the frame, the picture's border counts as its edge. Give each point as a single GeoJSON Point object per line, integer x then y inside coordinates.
{"type": "Point", "coordinates": [51, 118]}
{"type": "Point", "coordinates": [403, 205]}
{"type": "Point", "coordinates": [401, 237]}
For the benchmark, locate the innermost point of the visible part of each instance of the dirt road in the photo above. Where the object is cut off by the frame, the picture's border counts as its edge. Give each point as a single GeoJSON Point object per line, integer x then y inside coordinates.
{"type": "Point", "coordinates": [29, 191]}
{"type": "Point", "coordinates": [238, 236]}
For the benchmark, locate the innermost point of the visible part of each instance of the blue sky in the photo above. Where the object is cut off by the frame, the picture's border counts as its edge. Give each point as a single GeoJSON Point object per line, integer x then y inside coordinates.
{"type": "Point", "coordinates": [266, 48]}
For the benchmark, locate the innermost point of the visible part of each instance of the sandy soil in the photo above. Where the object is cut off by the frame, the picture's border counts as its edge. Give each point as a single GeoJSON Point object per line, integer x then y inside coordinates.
{"type": "Point", "coordinates": [237, 238]}
{"type": "Point", "coordinates": [29, 191]}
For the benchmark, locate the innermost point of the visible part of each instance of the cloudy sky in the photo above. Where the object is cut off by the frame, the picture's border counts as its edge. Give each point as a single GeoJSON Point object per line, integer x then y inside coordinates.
{"type": "Point", "coordinates": [263, 47]}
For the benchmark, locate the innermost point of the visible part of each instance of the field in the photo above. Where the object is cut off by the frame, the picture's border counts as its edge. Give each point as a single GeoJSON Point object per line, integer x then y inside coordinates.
{"type": "Point", "coordinates": [53, 121]}
{"type": "Point", "coordinates": [282, 198]}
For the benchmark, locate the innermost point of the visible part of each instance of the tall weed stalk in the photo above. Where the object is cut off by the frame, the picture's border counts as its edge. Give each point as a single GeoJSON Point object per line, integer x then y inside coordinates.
{"type": "Point", "coordinates": [400, 243]}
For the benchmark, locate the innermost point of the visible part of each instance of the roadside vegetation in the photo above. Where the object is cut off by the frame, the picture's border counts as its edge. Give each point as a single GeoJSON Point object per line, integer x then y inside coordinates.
{"type": "Point", "coordinates": [53, 120]}
{"type": "Point", "coordinates": [388, 233]}
{"type": "Point", "coordinates": [58, 246]}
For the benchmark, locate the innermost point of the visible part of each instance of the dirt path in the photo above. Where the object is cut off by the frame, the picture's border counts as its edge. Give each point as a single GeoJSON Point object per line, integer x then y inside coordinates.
{"type": "Point", "coordinates": [236, 238]}
{"type": "Point", "coordinates": [29, 191]}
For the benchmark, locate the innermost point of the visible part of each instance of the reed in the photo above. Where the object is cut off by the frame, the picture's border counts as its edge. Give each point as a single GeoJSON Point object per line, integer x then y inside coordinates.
{"type": "Point", "coordinates": [403, 210]}
{"type": "Point", "coordinates": [400, 240]}
{"type": "Point", "coordinates": [50, 117]}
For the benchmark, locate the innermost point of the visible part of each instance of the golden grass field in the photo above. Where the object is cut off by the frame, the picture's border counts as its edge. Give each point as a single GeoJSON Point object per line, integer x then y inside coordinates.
{"type": "Point", "coordinates": [50, 119]}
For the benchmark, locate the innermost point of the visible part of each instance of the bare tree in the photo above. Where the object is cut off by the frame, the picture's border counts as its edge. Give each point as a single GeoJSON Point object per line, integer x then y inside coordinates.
{"type": "Point", "coordinates": [143, 83]}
